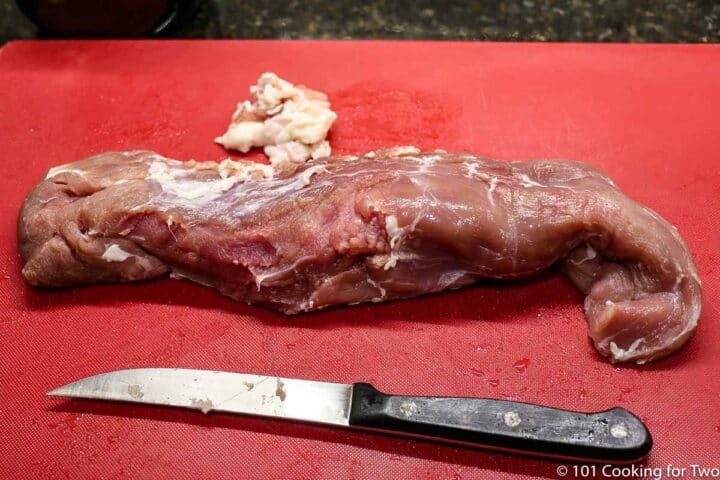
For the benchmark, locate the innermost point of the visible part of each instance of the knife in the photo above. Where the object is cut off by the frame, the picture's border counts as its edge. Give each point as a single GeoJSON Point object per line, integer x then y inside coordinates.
{"type": "Point", "coordinates": [611, 436]}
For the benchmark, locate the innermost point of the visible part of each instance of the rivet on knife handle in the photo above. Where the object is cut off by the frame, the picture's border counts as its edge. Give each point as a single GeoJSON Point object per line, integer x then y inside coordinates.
{"type": "Point", "coordinates": [614, 435]}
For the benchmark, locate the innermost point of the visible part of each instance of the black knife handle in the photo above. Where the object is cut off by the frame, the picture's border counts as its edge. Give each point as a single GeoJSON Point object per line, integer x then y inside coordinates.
{"type": "Point", "coordinates": [612, 436]}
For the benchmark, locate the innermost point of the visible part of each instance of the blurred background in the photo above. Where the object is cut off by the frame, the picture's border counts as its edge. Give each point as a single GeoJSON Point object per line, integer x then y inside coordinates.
{"type": "Point", "coordinates": [525, 20]}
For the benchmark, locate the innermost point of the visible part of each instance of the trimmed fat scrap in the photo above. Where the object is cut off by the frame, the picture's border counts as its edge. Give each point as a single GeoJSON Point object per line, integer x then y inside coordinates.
{"type": "Point", "coordinates": [291, 123]}
{"type": "Point", "coordinates": [344, 230]}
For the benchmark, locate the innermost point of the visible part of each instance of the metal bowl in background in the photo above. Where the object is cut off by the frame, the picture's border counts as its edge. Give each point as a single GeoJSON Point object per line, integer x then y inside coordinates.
{"type": "Point", "coordinates": [107, 18]}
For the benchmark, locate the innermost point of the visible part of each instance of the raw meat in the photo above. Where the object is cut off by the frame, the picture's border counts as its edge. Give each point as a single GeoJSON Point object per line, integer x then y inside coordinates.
{"type": "Point", "coordinates": [344, 230]}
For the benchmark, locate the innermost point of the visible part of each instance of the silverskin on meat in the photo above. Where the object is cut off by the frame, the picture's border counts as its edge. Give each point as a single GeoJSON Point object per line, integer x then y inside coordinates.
{"type": "Point", "coordinates": [392, 224]}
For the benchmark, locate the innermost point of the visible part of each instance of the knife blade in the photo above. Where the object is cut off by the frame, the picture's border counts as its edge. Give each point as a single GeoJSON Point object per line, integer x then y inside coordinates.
{"type": "Point", "coordinates": [611, 436]}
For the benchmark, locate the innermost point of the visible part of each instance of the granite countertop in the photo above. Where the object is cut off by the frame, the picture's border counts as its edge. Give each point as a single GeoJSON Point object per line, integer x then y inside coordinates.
{"type": "Point", "coordinates": [533, 20]}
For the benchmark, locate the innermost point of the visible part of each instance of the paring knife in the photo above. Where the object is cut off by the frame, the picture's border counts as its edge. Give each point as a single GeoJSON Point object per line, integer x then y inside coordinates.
{"type": "Point", "coordinates": [612, 436]}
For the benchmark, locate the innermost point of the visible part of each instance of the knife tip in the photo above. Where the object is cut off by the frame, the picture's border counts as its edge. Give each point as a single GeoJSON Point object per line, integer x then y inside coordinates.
{"type": "Point", "coordinates": [57, 392]}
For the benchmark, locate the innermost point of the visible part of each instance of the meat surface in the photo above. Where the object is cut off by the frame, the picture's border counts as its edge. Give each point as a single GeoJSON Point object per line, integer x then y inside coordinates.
{"type": "Point", "coordinates": [344, 230]}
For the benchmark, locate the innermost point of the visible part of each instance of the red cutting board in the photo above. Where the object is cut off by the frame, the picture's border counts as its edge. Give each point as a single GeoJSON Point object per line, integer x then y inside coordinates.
{"type": "Point", "coordinates": [647, 115]}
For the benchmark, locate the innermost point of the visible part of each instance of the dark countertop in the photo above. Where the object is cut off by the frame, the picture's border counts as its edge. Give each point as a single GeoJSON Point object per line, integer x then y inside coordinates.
{"type": "Point", "coordinates": [534, 20]}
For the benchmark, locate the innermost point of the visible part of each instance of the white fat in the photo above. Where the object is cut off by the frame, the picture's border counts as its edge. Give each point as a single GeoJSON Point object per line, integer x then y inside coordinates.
{"type": "Point", "coordinates": [382, 291]}
{"type": "Point", "coordinates": [301, 120]}
{"type": "Point", "coordinates": [370, 155]}
{"type": "Point", "coordinates": [176, 181]}
{"type": "Point", "coordinates": [322, 149]}
{"type": "Point", "coordinates": [528, 182]}
{"type": "Point", "coordinates": [392, 262]}
{"type": "Point", "coordinates": [243, 136]}
{"type": "Point", "coordinates": [63, 169]}
{"type": "Point", "coordinates": [288, 152]}
{"type": "Point", "coordinates": [402, 151]}
{"type": "Point", "coordinates": [620, 354]}
{"type": "Point", "coordinates": [307, 305]}
{"type": "Point", "coordinates": [590, 254]}
{"type": "Point", "coordinates": [114, 253]}
{"type": "Point", "coordinates": [271, 91]}
{"type": "Point", "coordinates": [472, 172]}
{"type": "Point", "coordinates": [493, 185]}
{"type": "Point", "coordinates": [297, 153]}
{"type": "Point", "coordinates": [393, 230]}
{"type": "Point", "coordinates": [426, 161]}
{"type": "Point", "coordinates": [304, 177]}
{"type": "Point", "coordinates": [290, 122]}
{"type": "Point", "coordinates": [242, 107]}
{"type": "Point", "coordinates": [470, 169]}
{"type": "Point", "coordinates": [259, 279]}
{"type": "Point", "coordinates": [244, 171]}
{"type": "Point", "coordinates": [170, 221]}
{"type": "Point", "coordinates": [394, 233]}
